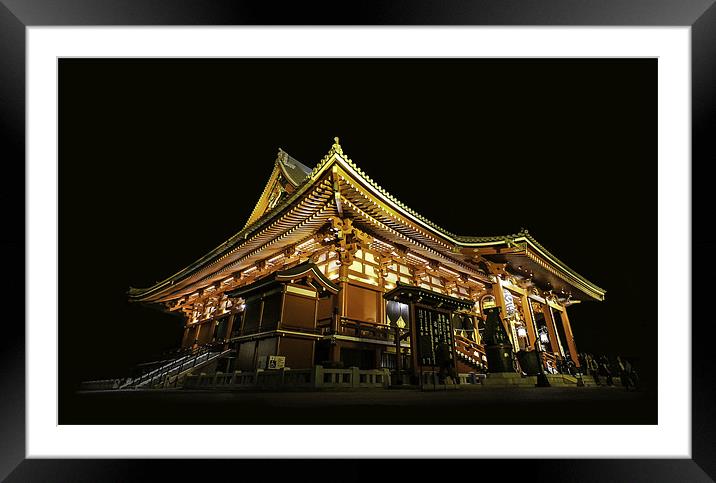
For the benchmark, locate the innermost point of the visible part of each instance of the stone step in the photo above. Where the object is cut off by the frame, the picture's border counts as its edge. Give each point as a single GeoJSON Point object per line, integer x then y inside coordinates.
{"type": "Point", "coordinates": [509, 379]}
{"type": "Point", "coordinates": [589, 381]}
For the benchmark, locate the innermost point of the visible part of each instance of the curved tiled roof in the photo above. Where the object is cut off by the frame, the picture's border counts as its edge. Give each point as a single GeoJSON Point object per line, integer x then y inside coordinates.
{"type": "Point", "coordinates": [461, 240]}
{"type": "Point", "coordinates": [294, 171]}
{"type": "Point", "coordinates": [283, 275]}
{"type": "Point", "coordinates": [303, 177]}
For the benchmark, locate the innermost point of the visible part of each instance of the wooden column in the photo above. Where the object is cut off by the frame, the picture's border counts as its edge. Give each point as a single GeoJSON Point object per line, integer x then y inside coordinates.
{"type": "Point", "coordinates": [342, 308]}
{"type": "Point", "coordinates": [529, 321]}
{"type": "Point", "coordinates": [335, 352]}
{"type": "Point", "coordinates": [185, 338]}
{"type": "Point", "coordinates": [381, 317]}
{"type": "Point", "coordinates": [414, 342]}
{"type": "Point", "coordinates": [570, 337]}
{"type": "Point", "coordinates": [229, 326]}
{"type": "Point", "coordinates": [398, 351]}
{"type": "Point", "coordinates": [195, 342]}
{"type": "Point", "coordinates": [499, 295]}
{"type": "Point", "coordinates": [343, 282]}
{"type": "Point", "coordinates": [551, 329]}
{"type": "Point", "coordinates": [239, 320]}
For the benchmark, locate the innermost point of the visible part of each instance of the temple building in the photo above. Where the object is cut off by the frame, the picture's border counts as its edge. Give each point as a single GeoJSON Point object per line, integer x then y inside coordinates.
{"type": "Point", "coordinates": [330, 269]}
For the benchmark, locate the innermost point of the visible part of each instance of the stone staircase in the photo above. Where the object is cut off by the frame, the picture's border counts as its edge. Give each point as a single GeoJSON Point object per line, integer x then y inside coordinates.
{"type": "Point", "coordinates": [172, 372]}
{"type": "Point", "coordinates": [469, 355]}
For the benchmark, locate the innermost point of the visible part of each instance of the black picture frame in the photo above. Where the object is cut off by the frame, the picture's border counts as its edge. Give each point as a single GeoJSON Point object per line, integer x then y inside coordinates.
{"type": "Point", "coordinates": [16, 15]}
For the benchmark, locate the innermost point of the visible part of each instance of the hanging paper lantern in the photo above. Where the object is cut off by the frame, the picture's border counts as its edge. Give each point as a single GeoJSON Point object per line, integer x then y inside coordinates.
{"type": "Point", "coordinates": [509, 304]}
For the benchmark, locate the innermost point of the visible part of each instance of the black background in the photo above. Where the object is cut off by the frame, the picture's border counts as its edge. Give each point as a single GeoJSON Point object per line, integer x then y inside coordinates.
{"type": "Point", "coordinates": [160, 161]}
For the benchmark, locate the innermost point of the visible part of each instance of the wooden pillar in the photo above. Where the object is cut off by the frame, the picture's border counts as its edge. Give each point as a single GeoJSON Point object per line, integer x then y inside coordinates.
{"type": "Point", "coordinates": [381, 317]}
{"type": "Point", "coordinates": [342, 307]}
{"type": "Point", "coordinates": [414, 342]}
{"type": "Point", "coordinates": [552, 330]}
{"type": "Point", "coordinates": [398, 351]}
{"type": "Point", "coordinates": [570, 337]}
{"type": "Point", "coordinates": [335, 352]}
{"type": "Point", "coordinates": [529, 320]}
{"type": "Point", "coordinates": [197, 334]}
{"type": "Point", "coordinates": [499, 294]}
{"type": "Point", "coordinates": [185, 342]}
{"type": "Point", "coordinates": [535, 327]}
{"type": "Point", "coordinates": [229, 328]}
{"type": "Point", "coordinates": [343, 282]}
{"type": "Point", "coordinates": [240, 322]}
{"type": "Point", "coordinates": [476, 333]}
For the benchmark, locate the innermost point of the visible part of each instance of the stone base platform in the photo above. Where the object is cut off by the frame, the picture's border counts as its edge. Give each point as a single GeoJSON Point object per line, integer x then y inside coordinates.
{"type": "Point", "coordinates": [508, 379]}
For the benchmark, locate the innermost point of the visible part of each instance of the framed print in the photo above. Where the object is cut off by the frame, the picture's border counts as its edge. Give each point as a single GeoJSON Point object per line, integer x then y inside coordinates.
{"type": "Point", "coordinates": [372, 231]}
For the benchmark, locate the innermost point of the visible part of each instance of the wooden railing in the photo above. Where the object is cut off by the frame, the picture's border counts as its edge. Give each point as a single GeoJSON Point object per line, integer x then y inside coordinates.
{"type": "Point", "coordinates": [548, 356]}
{"type": "Point", "coordinates": [369, 330]}
{"type": "Point", "coordinates": [347, 326]}
{"type": "Point", "coordinates": [325, 325]}
{"type": "Point", "coordinates": [281, 326]}
{"type": "Point", "coordinates": [470, 350]}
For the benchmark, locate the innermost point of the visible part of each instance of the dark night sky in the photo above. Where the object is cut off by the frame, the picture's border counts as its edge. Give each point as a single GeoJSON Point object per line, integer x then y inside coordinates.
{"type": "Point", "coordinates": [161, 161]}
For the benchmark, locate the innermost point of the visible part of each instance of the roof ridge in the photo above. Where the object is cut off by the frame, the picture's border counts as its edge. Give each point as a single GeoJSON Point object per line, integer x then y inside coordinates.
{"type": "Point", "coordinates": [336, 148]}
{"type": "Point", "coordinates": [336, 152]}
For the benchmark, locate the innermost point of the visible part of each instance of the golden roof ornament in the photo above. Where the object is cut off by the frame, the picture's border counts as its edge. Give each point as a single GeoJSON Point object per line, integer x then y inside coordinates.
{"type": "Point", "coordinates": [336, 148]}
{"type": "Point", "coordinates": [282, 156]}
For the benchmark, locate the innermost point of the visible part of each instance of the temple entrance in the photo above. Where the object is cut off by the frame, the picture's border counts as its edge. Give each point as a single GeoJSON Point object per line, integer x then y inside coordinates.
{"type": "Point", "coordinates": [360, 358]}
{"type": "Point", "coordinates": [430, 322]}
{"type": "Point", "coordinates": [323, 352]}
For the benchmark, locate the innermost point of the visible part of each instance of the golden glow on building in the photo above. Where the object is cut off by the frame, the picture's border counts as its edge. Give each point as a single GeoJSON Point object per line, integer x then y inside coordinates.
{"type": "Point", "coordinates": [311, 274]}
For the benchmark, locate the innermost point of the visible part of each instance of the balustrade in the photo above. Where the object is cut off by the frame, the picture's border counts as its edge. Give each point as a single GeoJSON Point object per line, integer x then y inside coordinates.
{"type": "Point", "coordinates": [318, 377]}
{"type": "Point", "coordinates": [369, 330]}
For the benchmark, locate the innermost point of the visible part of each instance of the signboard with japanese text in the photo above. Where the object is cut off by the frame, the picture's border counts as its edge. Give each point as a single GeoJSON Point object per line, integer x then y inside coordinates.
{"type": "Point", "coordinates": [436, 344]}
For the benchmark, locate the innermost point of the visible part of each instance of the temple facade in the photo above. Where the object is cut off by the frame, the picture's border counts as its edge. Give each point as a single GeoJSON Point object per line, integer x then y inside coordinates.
{"type": "Point", "coordinates": [332, 270]}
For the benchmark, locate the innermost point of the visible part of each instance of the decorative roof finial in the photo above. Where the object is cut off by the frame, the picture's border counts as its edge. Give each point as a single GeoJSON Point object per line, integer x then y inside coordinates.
{"type": "Point", "coordinates": [282, 155]}
{"type": "Point", "coordinates": [336, 148]}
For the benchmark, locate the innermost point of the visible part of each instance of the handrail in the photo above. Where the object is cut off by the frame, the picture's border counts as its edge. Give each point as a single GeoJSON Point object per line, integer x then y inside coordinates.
{"type": "Point", "coordinates": [366, 322]}
{"type": "Point", "coordinates": [209, 356]}
{"type": "Point", "coordinates": [294, 328]}
{"type": "Point", "coordinates": [192, 356]}
{"type": "Point", "coordinates": [371, 330]}
{"type": "Point", "coordinates": [466, 348]}
{"type": "Point", "coordinates": [180, 367]}
{"type": "Point", "coordinates": [469, 343]}
{"type": "Point", "coordinates": [375, 330]}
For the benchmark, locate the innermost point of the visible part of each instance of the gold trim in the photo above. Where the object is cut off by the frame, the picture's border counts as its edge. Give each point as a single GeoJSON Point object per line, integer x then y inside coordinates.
{"type": "Point", "coordinates": [301, 291]}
